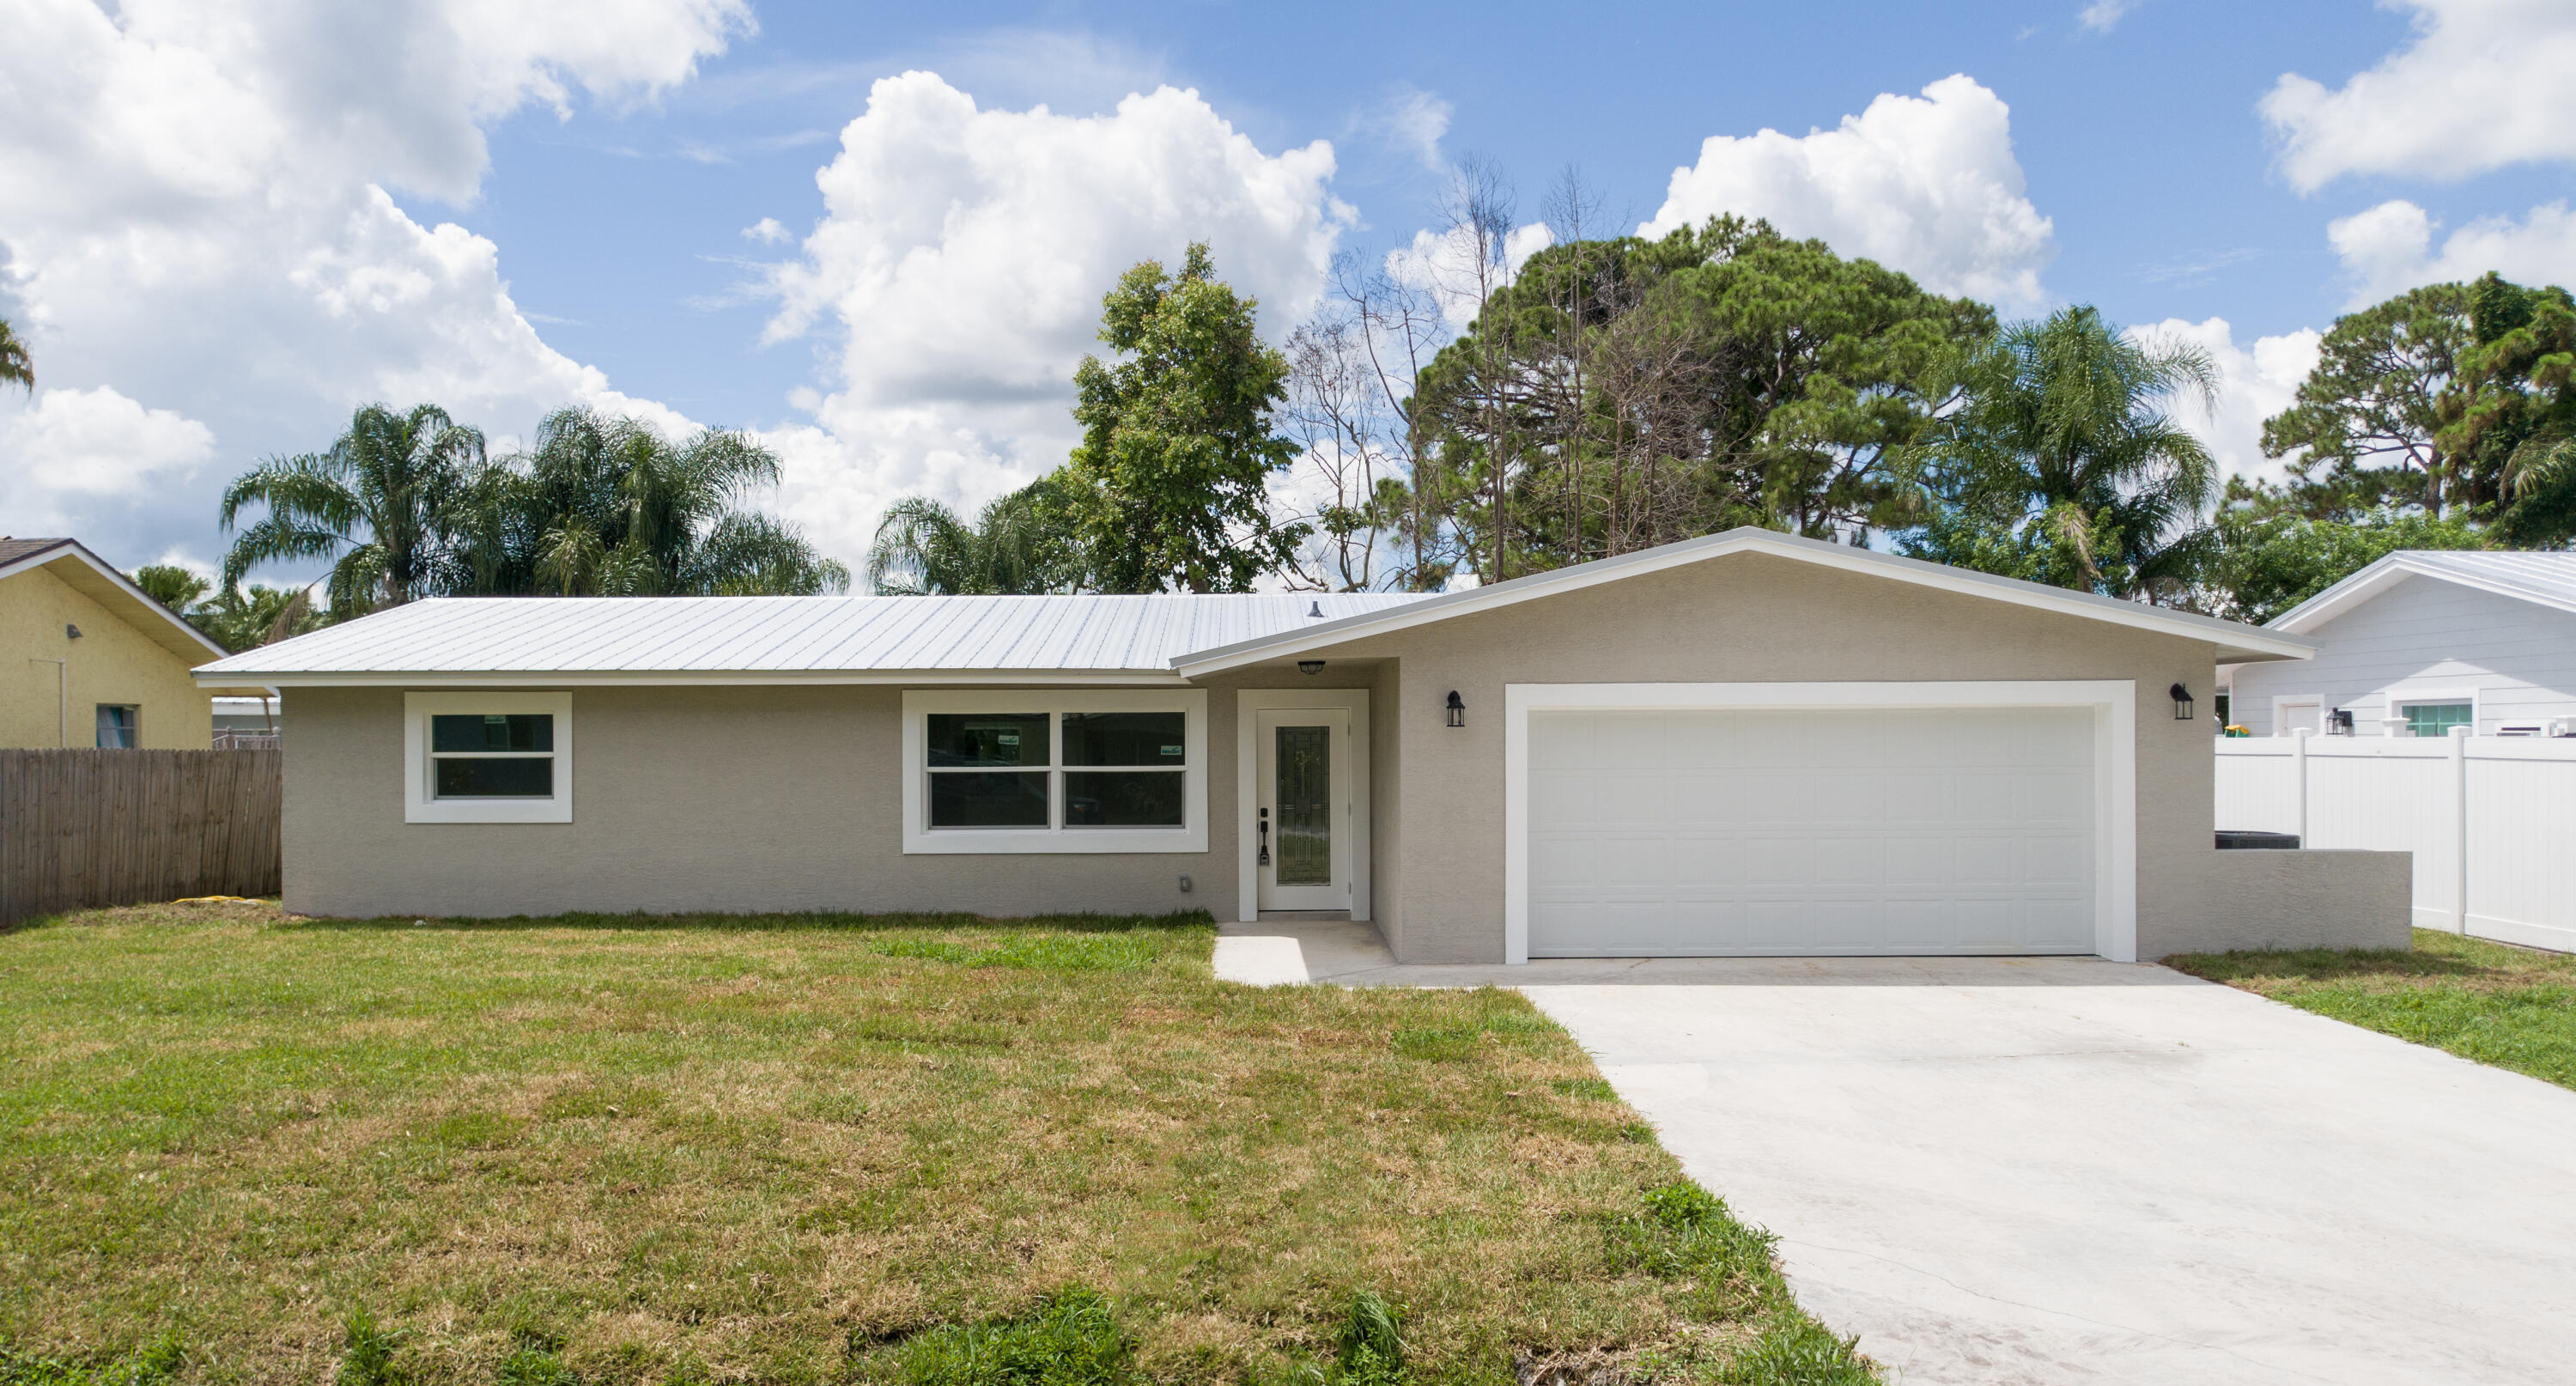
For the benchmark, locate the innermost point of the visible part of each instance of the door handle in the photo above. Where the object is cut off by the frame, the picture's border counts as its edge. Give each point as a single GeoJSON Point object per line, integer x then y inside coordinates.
{"type": "Point", "coordinates": [1264, 859]}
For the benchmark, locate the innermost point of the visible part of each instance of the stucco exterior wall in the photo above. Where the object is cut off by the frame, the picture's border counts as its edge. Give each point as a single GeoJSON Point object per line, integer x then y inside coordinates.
{"type": "Point", "coordinates": [1747, 618]}
{"type": "Point", "coordinates": [111, 663]}
{"type": "Point", "coordinates": [2300, 899]}
{"type": "Point", "coordinates": [707, 798]}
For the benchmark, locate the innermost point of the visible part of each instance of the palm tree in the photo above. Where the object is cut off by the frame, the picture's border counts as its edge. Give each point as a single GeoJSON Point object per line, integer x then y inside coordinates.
{"type": "Point", "coordinates": [609, 507]}
{"type": "Point", "coordinates": [1020, 544]}
{"type": "Point", "coordinates": [2062, 464]}
{"type": "Point", "coordinates": [382, 504]}
{"type": "Point", "coordinates": [16, 366]}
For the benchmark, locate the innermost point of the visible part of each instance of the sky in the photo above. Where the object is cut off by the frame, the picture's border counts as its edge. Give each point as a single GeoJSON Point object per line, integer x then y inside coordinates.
{"type": "Point", "coordinates": [877, 236]}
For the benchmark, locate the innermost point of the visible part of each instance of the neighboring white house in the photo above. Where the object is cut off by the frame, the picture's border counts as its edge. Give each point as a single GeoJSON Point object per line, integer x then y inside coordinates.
{"type": "Point", "coordinates": [2422, 641]}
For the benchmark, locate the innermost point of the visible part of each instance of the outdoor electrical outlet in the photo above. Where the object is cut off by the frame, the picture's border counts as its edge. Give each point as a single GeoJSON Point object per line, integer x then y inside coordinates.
{"type": "Point", "coordinates": [1185, 885]}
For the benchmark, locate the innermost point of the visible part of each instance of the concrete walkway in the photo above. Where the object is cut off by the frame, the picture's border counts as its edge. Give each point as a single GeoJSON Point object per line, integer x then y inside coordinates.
{"type": "Point", "coordinates": [2077, 1171]}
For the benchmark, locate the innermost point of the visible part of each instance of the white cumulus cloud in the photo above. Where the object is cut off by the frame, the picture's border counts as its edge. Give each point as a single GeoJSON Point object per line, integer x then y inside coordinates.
{"type": "Point", "coordinates": [2256, 381]}
{"type": "Point", "coordinates": [1444, 265]}
{"type": "Point", "coordinates": [91, 445]}
{"type": "Point", "coordinates": [2389, 249]}
{"type": "Point", "coordinates": [200, 220]}
{"type": "Point", "coordinates": [1924, 184]}
{"type": "Point", "coordinates": [957, 275]}
{"type": "Point", "coordinates": [2483, 85]}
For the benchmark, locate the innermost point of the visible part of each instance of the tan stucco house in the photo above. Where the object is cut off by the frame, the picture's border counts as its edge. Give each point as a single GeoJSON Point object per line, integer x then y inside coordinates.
{"type": "Point", "coordinates": [1743, 744]}
{"type": "Point", "coordinates": [87, 660]}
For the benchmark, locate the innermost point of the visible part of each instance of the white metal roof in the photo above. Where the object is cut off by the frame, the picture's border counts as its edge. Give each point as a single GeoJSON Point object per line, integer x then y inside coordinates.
{"type": "Point", "coordinates": [2548, 579]}
{"type": "Point", "coordinates": [2235, 641]}
{"type": "Point", "coordinates": [528, 639]}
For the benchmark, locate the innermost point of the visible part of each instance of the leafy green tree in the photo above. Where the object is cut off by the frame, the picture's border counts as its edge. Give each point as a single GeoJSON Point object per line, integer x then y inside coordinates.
{"type": "Point", "coordinates": [380, 504]}
{"type": "Point", "coordinates": [1170, 481]}
{"type": "Point", "coordinates": [2061, 464]}
{"type": "Point", "coordinates": [1655, 391]}
{"type": "Point", "coordinates": [171, 585]}
{"type": "Point", "coordinates": [16, 366]}
{"type": "Point", "coordinates": [2362, 434]}
{"type": "Point", "coordinates": [1019, 545]}
{"type": "Point", "coordinates": [2517, 414]}
{"type": "Point", "coordinates": [2265, 563]}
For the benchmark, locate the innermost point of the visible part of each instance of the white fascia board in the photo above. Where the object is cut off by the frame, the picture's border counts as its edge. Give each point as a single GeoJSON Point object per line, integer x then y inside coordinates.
{"type": "Point", "coordinates": [2236, 642]}
{"type": "Point", "coordinates": [909, 678]}
{"type": "Point", "coordinates": [73, 548]}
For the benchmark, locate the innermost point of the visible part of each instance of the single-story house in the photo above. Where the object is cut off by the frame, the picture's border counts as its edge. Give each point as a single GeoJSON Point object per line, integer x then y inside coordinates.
{"type": "Point", "coordinates": [2422, 641]}
{"type": "Point", "coordinates": [92, 661]}
{"type": "Point", "coordinates": [1743, 744]}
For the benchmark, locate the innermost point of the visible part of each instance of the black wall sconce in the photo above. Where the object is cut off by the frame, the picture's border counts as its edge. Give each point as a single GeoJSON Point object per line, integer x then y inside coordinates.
{"type": "Point", "coordinates": [1457, 709]}
{"type": "Point", "coordinates": [70, 631]}
{"type": "Point", "coordinates": [2182, 703]}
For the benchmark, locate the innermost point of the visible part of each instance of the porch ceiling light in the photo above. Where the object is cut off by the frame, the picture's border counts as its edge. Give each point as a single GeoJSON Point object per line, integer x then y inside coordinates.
{"type": "Point", "coordinates": [1310, 667]}
{"type": "Point", "coordinates": [2182, 703]}
{"type": "Point", "coordinates": [1457, 709]}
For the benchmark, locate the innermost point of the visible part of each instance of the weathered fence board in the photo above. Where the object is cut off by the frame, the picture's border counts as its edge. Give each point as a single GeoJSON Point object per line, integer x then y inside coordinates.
{"type": "Point", "coordinates": [84, 828]}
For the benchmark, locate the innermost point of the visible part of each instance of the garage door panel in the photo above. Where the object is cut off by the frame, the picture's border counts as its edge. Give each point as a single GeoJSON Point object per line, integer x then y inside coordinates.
{"type": "Point", "coordinates": [1712, 832]}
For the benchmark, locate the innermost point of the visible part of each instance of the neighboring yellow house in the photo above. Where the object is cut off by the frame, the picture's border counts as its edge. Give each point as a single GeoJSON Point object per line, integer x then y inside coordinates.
{"type": "Point", "coordinates": [87, 660]}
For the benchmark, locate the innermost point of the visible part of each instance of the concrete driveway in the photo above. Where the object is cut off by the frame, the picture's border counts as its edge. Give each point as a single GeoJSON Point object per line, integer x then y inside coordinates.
{"type": "Point", "coordinates": [2069, 1170]}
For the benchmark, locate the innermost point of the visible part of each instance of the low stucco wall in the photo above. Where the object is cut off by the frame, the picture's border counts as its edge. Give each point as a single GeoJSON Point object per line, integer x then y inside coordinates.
{"type": "Point", "coordinates": [2299, 899]}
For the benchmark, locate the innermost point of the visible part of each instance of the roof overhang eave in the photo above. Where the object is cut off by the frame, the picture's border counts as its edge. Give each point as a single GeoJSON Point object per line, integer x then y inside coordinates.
{"type": "Point", "coordinates": [211, 677]}
{"type": "Point", "coordinates": [2235, 642]}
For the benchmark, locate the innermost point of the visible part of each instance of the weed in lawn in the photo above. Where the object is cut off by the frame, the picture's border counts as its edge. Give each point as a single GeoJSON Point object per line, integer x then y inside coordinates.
{"type": "Point", "coordinates": [1687, 1234]}
{"type": "Point", "coordinates": [1071, 1338]}
{"type": "Point", "coordinates": [1587, 1089]}
{"type": "Point", "coordinates": [368, 1352]}
{"type": "Point", "coordinates": [1370, 1345]}
{"type": "Point", "coordinates": [154, 1363]}
{"type": "Point", "coordinates": [1798, 1352]}
{"type": "Point", "coordinates": [536, 1359]}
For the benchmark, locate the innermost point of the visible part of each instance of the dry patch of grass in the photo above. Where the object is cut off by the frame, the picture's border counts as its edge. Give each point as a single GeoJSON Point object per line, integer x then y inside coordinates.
{"type": "Point", "coordinates": [2492, 1002]}
{"type": "Point", "coordinates": [821, 1149]}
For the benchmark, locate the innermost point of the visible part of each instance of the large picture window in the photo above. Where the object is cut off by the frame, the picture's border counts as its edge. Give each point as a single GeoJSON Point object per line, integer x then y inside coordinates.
{"type": "Point", "coordinates": [488, 757]}
{"type": "Point", "coordinates": [1099, 771]}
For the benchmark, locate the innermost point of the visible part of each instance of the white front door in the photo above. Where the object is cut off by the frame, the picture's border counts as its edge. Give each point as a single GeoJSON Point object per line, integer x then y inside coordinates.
{"type": "Point", "coordinates": [1302, 808]}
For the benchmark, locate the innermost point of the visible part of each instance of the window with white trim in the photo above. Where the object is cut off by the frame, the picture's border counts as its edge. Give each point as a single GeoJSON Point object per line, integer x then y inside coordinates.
{"type": "Point", "coordinates": [1105, 770]}
{"type": "Point", "coordinates": [487, 757]}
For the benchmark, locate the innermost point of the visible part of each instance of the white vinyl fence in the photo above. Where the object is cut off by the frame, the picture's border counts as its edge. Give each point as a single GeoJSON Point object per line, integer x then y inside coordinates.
{"type": "Point", "coordinates": [2491, 819]}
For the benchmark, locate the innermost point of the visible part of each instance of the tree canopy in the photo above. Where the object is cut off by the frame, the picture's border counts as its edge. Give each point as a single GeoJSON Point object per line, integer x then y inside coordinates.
{"type": "Point", "coordinates": [408, 505]}
{"type": "Point", "coordinates": [1169, 488]}
{"type": "Point", "coordinates": [17, 366]}
{"type": "Point", "coordinates": [2063, 464]}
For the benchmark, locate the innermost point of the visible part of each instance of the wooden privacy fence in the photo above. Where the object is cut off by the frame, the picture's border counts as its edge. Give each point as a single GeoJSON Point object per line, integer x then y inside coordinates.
{"type": "Point", "coordinates": [80, 829]}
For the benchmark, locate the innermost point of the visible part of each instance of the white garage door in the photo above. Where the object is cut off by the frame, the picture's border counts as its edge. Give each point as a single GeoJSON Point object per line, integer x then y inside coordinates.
{"type": "Point", "coordinates": [1704, 832]}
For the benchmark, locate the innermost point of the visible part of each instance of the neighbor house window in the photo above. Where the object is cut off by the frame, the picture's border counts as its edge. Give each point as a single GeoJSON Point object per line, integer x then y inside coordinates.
{"type": "Point", "coordinates": [488, 757]}
{"type": "Point", "coordinates": [2436, 719]}
{"type": "Point", "coordinates": [1102, 771]}
{"type": "Point", "coordinates": [119, 726]}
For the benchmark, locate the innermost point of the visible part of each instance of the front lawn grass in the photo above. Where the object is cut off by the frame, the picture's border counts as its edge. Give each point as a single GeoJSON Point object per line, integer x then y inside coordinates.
{"type": "Point", "coordinates": [820, 1149]}
{"type": "Point", "coordinates": [2492, 1002]}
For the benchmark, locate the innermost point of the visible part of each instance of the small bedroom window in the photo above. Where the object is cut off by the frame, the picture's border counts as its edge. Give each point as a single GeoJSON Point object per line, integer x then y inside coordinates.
{"type": "Point", "coordinates": [487, 757]}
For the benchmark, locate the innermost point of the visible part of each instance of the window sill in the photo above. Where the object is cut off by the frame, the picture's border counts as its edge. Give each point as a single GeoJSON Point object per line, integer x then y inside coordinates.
{"type": "Point", "coordinates": [1052, 841]}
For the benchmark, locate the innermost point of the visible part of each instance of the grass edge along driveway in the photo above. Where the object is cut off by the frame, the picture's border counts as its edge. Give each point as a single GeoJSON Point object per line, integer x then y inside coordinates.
{"type": "Point", "coordinates": [2492, 1002]}
{"type": "Point", "coordinates": [821, 1149]}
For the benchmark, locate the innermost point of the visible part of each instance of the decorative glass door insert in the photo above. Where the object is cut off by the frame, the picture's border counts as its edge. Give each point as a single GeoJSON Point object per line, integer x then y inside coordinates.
{"type": "Point", "coordinates": [1302, 791]}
